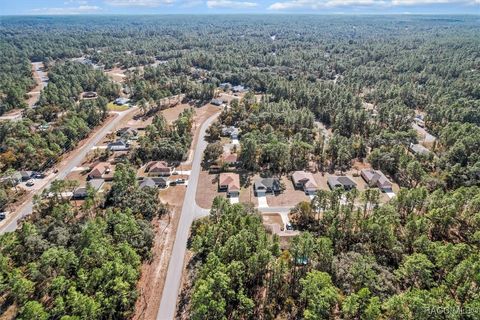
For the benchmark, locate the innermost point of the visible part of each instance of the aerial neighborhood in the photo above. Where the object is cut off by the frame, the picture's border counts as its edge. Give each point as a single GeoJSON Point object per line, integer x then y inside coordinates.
{"type": "Point", "coordinates": [239, 167]}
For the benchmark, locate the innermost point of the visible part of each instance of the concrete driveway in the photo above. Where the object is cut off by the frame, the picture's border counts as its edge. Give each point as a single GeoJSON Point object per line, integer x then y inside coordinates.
{"type": "Point", "coordinates": [262, 200]}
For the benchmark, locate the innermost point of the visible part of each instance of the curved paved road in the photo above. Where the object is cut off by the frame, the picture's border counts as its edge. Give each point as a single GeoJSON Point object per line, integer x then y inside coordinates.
{"type": "Point", "coordinates": [76, 160]}
{"type": "Point", "coordinates": [168, 304]}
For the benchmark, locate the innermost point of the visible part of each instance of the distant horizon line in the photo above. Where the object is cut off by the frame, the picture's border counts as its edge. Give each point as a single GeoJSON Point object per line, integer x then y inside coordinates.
{"type": "Point", "coordinates": [242, 14]}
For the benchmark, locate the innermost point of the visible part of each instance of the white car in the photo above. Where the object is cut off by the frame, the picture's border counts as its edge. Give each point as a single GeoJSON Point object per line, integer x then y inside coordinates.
{"type": "Point", "coordinates": [30, 183]}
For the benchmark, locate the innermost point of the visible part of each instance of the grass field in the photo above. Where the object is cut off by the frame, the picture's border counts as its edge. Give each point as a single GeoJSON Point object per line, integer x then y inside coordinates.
{"type": "Point", "coordinates": [113, 107]}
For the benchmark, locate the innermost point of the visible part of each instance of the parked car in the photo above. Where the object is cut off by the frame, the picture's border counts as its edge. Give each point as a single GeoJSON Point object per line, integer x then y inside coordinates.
{"type": "Point", "coordinates": [38, 175]}
{"type": "Point", "coordinates": [180, 181]}
{"type": "Point", "coordinates": [289, 226]}
{"type": "Point", "coordinates": [3, 215]}
{"type": "Point", "coordinates": [30, 183]}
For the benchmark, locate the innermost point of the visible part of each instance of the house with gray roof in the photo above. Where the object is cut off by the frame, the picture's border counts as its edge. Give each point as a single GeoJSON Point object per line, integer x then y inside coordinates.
{"type": "Point", "coordinates": [341, 182]}
{"type": "Point", "coordinates": [418, 149]}
{"type": "Point", "coordinates": [376, 178]}
{"type": "Point", "coordinates": [267, 185]}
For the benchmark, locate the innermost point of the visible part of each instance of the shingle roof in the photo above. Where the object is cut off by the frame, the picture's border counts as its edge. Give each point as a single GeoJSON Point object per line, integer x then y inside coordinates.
{"type": "Point", "coordinates": [158, 166]}
{"type": "Point", "coordinates": [304, 177]}
{"type": "Point", "coordinates": [334, 181]}
{"type": "Point", "coordinates": [232, 180]}
{"type": "Point", "coordinates": [267, 183]}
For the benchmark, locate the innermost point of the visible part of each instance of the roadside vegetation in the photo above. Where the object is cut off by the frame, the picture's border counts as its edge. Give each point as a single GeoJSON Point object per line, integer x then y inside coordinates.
{"type": "Point", "coordinates": [80, 261]}
{"type": "Point", "coordinates": [403, 260]}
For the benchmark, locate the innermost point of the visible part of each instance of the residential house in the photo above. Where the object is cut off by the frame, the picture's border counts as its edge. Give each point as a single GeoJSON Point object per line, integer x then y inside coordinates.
{"type": "Point", "coordinates": [81, 192]}
{"type": "Point", "coordinates": [26, 175]}
{"type": "Point", "coordinates": [126, 132]}
{"type": "Point", "coordinates": [229, 183]}
{"type": "Point", "coordinates": [418, 149]}
{"type": "Point", "coordinates": [229, 131]}
{"type": "Point", "coordinates": [158, 168]}
{"type": "Point", "coordinates": [230, 159]}
{"type": "Point", "coordinates": [305, 181]}
{"type": "Point", "coordinates": [121, 101]}
{"type": "Point", "coordinates": [12, 179]}
{"type": "Point", "coordinates": [238, 89]}
{"type": "Point", "coordinates": [341, 182]}
{"type": "Point", "coordinates": [157, 182]}
{"type": "Point", "coordinates": [376, 178]}
{"type": "Point", "coordinates": [267, 185]}
{"type": "Point", "coordinates": [225, 85]}
{"type": "Point", "coordinates": [217, 102]}
{"type": "Point", "coordinates": [119, 145]}
{"type": "Point", "coordinates": [102, 170]}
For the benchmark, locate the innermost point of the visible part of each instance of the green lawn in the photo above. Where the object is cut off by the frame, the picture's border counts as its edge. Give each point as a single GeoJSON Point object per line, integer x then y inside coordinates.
{"type": "Point", "coordinates": [113, 107]}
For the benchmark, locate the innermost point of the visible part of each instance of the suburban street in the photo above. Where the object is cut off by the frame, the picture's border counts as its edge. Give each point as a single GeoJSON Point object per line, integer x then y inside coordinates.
{"type": "Point", "coordinates": [168, 303]}
{"type": "Point", "coordinates": [64, 168]}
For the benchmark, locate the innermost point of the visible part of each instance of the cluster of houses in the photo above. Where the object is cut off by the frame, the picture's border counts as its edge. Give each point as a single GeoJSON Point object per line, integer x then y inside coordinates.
{"type": "Point", "coordinates": [17, 177]}
{"type": "Point", "coordinates": [235, 89]}
{"type": "Point", "coordinates": [155, 175]}
{"type": "Point", "coordinates": [302, 180]}
{"type": "Point", "coordinates": [418, 149]}
{"type": "Point", "coordinates": [217, 102]}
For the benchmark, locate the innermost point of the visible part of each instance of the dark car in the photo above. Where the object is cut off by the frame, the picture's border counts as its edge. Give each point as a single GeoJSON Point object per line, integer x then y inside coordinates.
{"type": "Point", "coordinates": [3, 215]}
{"type": "Point", "coordinates": [289, 226]}
{"type": "Point", "coordinates": [38, 175]}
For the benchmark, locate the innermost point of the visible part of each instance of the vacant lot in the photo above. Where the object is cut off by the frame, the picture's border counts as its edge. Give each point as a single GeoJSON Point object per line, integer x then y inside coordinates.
{"type": "Point", "coordinates": [288, 198]}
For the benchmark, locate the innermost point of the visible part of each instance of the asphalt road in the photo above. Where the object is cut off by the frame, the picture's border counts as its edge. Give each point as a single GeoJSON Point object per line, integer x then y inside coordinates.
{"type": "Point", "coordinates": [168, 304]}
{"type": "Point", "coordinates": [27, 207]}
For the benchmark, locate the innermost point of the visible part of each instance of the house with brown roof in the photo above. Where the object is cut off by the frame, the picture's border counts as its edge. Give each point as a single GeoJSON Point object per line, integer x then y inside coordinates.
{"type": "Point", "coordinates": [376, 178]}
{"type": "Point", "coordinates": [230, 159]}
{"type": "Point", "coordinates": [305, 181]}
{"type": "Point", "coordinates": [230, 183]}
{"type": "Point", "coordinates": [158, 168]}
{"type": "Point", "coordinates": [102, 170]}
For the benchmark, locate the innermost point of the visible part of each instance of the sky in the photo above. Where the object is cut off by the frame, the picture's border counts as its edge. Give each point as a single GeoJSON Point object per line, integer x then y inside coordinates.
{"type": "Point", "coordinates": [69, 7]}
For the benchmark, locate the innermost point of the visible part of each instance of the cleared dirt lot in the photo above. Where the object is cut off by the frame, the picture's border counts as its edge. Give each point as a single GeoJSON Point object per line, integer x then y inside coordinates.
{"type": "Point", "coordinates": [116, 74]}
{"type": "Point", "coordinates": [288, 198]}
{"type": "Point", "coordinates": [272, 219]}
{"type": "Point", "coordinates": [207, 189]}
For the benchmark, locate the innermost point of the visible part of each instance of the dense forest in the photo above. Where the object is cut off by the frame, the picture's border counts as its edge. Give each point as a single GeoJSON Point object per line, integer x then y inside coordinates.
{"type": "Point", "coordinates": [410, 259]}
{"type": "Point", "coordinates": [83, 261]}
{"type": "Point", "coordinates": [324, 91]}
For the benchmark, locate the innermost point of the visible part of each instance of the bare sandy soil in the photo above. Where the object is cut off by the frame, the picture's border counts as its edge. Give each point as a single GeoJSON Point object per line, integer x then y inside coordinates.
{"type": "Point", "coordinates": [116, 74]}
{"type": "Point", "coordinates": [207, 189]}
{"type": "Point", "coordinates": [289, 197]}
{"type": "Point", "coordinates": [34, 94]}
